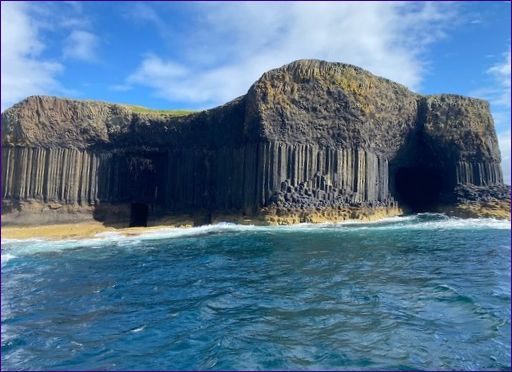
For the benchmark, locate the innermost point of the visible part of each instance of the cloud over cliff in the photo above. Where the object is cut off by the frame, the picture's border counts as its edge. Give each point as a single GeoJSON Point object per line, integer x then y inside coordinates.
{"type": "Point", "coordinates": [23, 71]}
{"type": "Point", "coordinates": [236, 43]}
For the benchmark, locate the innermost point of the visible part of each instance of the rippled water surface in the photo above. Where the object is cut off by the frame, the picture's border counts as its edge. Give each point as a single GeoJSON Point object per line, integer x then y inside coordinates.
{"type": "Point", "coordinates": [422, 292]}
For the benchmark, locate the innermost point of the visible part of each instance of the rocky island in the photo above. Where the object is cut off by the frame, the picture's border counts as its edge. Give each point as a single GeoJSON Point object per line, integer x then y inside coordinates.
{"type": "Point", "coordinates": [311, 141]}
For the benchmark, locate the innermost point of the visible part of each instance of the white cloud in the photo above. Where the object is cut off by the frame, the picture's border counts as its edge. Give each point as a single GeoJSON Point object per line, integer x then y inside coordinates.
{"type": "Point", "coordinates": [23, 73]}
{"type": "Point", "coordinates": [504, 141]}
{"type": "Point", "coordinates": [144, 13]}
{"type": "Point", "coordinates": [28, 30]}
{"type": "Point", "coordinates": [498, 93]}
{"type": "Point", "coordinates": [235, 43]}
{"type": "Point", "coordinates": [497, 88]}
{"type": "Point", "coordinates": [501, 72]}
{"type": "Point", "coordinates": [120, 87]}
{"type": "Point", "coordinates": [81, 45]}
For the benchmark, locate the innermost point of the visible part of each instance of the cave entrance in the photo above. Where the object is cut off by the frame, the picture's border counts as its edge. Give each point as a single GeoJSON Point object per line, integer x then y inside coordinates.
{"type": "Point", "coordinates": [139, 215]}
{"type": "Point", "coordinates": [418, 188]}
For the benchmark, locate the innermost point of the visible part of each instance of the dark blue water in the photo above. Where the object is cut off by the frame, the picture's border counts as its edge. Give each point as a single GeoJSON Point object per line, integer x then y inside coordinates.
{"type": "Point", "coordinates": [424, 292]}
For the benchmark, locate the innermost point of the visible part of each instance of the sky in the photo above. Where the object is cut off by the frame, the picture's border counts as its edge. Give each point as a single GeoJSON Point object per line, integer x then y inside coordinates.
{"type": "Point", "coordinates": [195, 55]}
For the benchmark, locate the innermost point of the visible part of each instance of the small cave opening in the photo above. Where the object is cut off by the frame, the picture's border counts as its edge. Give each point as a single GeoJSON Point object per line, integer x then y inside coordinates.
{"type": "Point", "coordinates": [139, 215]}
{"type": "Point", "coordinates": [418, 188]}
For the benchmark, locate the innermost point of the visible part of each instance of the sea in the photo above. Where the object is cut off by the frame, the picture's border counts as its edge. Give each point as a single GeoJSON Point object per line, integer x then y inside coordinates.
{"type": "Point", "coordinates": [417, 292]}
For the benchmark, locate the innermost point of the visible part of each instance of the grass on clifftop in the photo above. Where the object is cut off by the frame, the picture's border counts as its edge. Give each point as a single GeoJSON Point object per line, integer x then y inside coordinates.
{"type": "Point", "coordinates": [145, 110]}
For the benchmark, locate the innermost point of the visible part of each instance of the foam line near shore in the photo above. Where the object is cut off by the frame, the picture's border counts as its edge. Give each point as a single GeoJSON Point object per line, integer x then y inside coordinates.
{"type": "Point", "coordinates": [12, 248]}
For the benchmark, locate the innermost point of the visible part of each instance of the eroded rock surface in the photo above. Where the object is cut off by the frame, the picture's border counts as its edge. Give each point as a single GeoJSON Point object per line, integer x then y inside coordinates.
{"type": "Point", "coordinates": [307, 139]}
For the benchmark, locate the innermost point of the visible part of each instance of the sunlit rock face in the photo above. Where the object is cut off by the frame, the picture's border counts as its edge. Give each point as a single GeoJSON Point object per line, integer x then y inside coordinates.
{"type": "Point", "coordinates": [309, 136]}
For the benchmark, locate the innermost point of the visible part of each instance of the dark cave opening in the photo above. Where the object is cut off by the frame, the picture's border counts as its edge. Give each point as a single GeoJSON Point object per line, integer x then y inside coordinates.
{"type": "Point", "coordinates": [418, 188]}
{"type": "Point", "coordinates": [139, 215]}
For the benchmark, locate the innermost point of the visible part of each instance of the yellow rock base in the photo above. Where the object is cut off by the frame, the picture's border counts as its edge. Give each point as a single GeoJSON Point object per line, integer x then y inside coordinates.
{"type": "Point", "coordinates": [495, 209]}
{"type": "Point", "coordinates": [88, 229]}
{"type": "Point", "coordinates": [325, 215]}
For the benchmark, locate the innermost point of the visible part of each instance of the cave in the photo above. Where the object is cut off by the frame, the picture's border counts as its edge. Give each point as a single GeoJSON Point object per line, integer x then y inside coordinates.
{"type": "Point", "coordinates": [418, 188]}
{"type": "Point", "coordinates": [139, 215]}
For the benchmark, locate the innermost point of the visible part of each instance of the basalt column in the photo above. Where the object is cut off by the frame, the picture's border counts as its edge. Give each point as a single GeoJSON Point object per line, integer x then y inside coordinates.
{"type": "Point", "coordinates": [308, 137]}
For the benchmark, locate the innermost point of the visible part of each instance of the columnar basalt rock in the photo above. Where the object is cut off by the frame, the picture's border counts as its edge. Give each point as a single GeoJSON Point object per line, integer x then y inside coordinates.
{"type": "Point", "coordinates": [307, 138]}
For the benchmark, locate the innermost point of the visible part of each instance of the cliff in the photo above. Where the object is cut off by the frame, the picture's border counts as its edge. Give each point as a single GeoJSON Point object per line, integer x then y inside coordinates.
{"type": "Point", "coordinates": [311, 140]}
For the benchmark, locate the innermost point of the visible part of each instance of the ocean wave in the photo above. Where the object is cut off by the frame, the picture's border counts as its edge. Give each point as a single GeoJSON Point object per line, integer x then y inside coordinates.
{"type": "Point", "coordinates": [7, 257]}
{"type": "Point", "coordinates": [424, 221]}
{"type": "Point", "coordinates": [436, 221]}
{"type": "Point", "coordinates": [24, 247]}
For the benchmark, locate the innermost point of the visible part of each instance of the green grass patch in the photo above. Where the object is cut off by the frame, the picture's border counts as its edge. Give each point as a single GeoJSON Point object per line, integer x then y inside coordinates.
{"type": "Point", "coordinates": [141, 109]}
{"type": "Point", "coordinates": [145, 110]}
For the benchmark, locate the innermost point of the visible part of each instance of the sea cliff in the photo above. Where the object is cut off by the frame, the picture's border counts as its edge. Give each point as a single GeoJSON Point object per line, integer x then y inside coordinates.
{"type": "Point", "coordinates": [311, 141]}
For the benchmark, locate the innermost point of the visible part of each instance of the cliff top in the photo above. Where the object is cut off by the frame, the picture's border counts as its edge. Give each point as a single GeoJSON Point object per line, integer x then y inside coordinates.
{"type": "Point", "coordinates": [306, 101]}
{"type": "Point", "coordinates": [133, 108]}
{"type": "Point", "coordinates": [319, 69]}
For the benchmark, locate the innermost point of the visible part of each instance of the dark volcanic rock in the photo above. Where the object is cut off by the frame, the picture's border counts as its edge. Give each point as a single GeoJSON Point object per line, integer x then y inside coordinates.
{"type": "Point", "coordinates": [331, 105]}
{"type": "Point", "coordinates": [470, 193]}
{"type": "Point", "coordinates": [310, 135]}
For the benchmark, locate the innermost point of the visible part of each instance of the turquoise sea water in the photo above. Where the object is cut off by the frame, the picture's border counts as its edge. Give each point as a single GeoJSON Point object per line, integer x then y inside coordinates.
{"type": "Point", "coordinates": [418, 292]}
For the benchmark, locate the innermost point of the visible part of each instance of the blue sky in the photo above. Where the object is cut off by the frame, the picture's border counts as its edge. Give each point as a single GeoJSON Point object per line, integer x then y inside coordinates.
{"type": "Point", "coordinates": [199, 55]}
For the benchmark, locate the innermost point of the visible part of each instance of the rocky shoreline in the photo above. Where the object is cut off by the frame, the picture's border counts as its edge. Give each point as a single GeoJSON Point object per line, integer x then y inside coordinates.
{"type": "Point", "coordinates": [86, 227]}
{"type": "Point", "coordinates": [311, 141]}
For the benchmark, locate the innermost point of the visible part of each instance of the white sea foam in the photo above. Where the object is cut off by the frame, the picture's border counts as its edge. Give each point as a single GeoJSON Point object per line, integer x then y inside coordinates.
{"type": "Point", "coordinates": [424, 221]}
{"type": "Point", "coordinates": [7, 257]}
{"type": "Point", "coordinates": [12, 248]}
{"type": "Point", "coordinates": [430, 221]}
{"type": "Point", "coordinates": [139, 329]}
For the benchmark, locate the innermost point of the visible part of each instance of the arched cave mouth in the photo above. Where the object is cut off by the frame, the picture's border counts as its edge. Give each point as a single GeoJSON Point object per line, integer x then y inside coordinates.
{"type": "Point", "coordinates": [418, 188]}
{"type": "Point", "coordinates": [139, 215]}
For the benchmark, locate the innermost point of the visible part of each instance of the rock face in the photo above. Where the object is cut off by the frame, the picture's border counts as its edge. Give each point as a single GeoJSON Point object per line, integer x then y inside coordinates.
{"type": "Point", "coordinates": [308, 137]}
